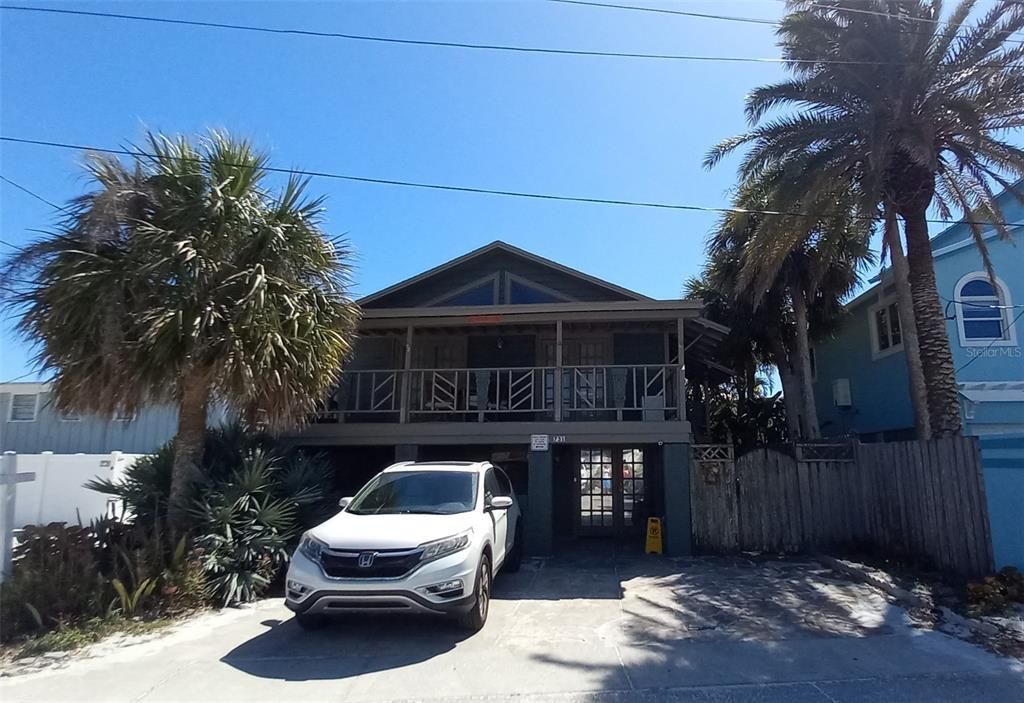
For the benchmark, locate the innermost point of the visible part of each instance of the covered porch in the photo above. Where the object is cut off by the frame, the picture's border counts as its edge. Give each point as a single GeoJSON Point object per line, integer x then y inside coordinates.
{"type": "Point", "coordinates": [619, 362]}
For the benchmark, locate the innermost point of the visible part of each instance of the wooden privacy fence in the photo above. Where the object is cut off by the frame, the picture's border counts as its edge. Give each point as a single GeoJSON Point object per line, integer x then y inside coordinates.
{"type": "Point", "coordinates": [920, 499]}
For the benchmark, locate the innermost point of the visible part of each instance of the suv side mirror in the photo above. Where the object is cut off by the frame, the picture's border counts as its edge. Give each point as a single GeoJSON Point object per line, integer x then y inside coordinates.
{"type": "Point", "coordinates": [501, 503]}
{"type": "Point", "coordinates": [344, 502]}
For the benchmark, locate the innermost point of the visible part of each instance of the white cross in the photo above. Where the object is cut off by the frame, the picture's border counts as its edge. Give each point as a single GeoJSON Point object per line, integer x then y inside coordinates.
{"type": "Point", "coordinates": [9, 480]}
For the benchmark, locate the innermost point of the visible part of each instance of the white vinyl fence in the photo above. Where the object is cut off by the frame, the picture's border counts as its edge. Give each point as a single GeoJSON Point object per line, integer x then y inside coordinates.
{"type": "Point", "coordinates": [37, 489]}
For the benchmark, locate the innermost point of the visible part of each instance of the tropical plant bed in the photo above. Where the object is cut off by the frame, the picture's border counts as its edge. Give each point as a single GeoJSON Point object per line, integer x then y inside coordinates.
{"type": "Point", "coordinates": [987, 611]}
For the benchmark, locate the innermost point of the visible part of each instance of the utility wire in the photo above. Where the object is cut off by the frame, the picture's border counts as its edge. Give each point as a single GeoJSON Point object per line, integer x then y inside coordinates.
{"type": "Point", "coordinates": [980, 305]}
{"type": "Point", "coordinates": [24, 375]}
{"type": "Point", "coordinates": [471, 189]}
{"type": "Point", "coordinates": [665, 11]}
{"type": "Point", "coordinates": [38, 197]}
{"type": "Point", "coordinates": [424, 42]}
{"type": "Point", "coordinates": [749, 20]}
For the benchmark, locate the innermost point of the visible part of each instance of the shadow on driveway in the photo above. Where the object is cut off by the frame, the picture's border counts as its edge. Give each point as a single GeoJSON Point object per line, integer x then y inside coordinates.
{"type": "Point", "coordinates": [624, 625]}
{"type": "Point", "coordinates": [349, 646]}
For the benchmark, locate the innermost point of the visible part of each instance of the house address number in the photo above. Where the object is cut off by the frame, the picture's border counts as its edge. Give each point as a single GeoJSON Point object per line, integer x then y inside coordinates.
{"type": "Point", "coordinates": [542, 442]}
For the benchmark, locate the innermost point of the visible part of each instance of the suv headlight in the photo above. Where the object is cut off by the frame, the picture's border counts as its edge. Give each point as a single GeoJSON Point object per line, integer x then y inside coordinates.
{"type": "Point", "coordinates": [444, 547]}
{"type": "Point", "coordinates": [311, 547]}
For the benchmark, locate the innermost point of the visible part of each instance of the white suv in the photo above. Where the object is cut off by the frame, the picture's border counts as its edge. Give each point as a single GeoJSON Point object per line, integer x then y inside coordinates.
{"type": "Point", "coordinates": [418, 537]}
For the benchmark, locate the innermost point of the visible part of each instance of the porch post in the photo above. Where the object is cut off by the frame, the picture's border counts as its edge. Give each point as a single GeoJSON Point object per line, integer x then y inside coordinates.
{"type": "Point", "coordinates": [558, 371]}
{"type": "Point", "coordinates": [677, 531]}
{"type": "Point", "coordinates": [403, 413]}
{"type": "Point", "coordinates": [539, 517]}
{"type": "Point", "coordinates": [681, 378]}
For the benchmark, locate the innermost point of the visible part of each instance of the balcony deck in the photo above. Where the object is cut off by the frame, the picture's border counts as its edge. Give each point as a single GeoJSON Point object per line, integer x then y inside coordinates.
{"type": "Point", "coordinates": [496, 404]}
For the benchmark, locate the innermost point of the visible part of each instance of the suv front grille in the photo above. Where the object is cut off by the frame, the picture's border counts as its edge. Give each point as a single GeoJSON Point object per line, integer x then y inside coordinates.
{"type": "Point", "coordinates": [392, 563]}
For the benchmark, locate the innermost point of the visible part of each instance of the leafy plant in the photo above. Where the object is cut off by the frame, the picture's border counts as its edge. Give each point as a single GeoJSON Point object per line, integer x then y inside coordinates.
{"type": "Point", "coordinates": [993, 594]}
{"type": "Point", "coordinates": [243, 530]}
{"type": "Point", "coordinates": [131, 600]}
{"type": "Point", "coordinates": [183, 583]}
{"type": "Point", "coordinates": [55, 578]}
{"type": "Point", "coordinates": [248, 501]}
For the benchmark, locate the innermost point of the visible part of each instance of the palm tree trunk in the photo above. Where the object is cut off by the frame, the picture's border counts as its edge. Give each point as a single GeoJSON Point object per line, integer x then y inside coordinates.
{"type": "Point", "coordinates": [189, 443]}
{"type": "Point", "coordinates": [933, 339]}
{"type": "Point", "coordinates": [803, 366]}
{"type": "Point", "coordinates": [908, 326]}
{"type": "Point", "coordinates": [790, 388]}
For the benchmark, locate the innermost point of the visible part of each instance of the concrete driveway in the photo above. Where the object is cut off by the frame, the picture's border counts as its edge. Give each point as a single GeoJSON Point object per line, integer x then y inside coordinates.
{"type": "Point", "coordinates": [602, 628]}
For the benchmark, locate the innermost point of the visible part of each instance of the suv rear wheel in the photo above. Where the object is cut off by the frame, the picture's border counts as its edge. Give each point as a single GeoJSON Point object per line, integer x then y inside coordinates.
{"type": "Point", "coordinates": [474, 620]}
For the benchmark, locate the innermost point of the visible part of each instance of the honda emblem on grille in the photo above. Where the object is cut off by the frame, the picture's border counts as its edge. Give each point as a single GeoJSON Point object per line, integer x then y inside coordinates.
{"type": "Point", "coordinates": [366, 559]}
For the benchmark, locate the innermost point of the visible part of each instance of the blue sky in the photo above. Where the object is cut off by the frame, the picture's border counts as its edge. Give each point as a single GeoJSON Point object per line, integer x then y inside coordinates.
{"type": "Point", "coordinates": [596, 127]}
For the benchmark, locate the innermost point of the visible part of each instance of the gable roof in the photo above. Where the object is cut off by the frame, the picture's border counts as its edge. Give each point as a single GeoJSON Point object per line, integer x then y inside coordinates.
{"type": "Point", "coordinates": [506, 248]}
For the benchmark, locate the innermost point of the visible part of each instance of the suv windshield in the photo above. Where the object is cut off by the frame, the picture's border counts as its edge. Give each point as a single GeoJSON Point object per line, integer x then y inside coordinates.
{"type": "Point", "coordinates": [423, 492]}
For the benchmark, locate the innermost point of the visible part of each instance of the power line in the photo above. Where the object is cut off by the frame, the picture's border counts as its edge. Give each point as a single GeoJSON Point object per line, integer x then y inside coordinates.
{"type": "Point", "coordinates": [471, 189]}
{"type": "Point", "coordinates": [665, 11]}
{"type": "Point", "coordinates": [424, 42]}
{"type": "Point", "coordinates": [749, 20]}
{"type": "Point", "coordinates": [38, 197]}
{"type": "Point", "coordinates": [24, 375]}
{"type": "Point", "coordinates": [969, 304]}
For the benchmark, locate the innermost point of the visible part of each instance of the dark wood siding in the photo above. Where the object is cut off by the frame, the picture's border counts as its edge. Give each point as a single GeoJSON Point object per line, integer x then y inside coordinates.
{"type": "Point", "coordinates": [437, 286]}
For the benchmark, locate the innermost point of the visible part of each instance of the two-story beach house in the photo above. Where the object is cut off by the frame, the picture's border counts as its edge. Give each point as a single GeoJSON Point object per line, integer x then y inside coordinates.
{"type": "Point", "coordinates": [861, 373]}
{"type": "Point", "coordinates": [574, 385]}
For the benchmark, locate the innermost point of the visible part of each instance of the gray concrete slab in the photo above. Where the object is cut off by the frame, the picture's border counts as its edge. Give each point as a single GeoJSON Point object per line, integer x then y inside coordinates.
{"type": "Point", "coordinates": [603, 629]}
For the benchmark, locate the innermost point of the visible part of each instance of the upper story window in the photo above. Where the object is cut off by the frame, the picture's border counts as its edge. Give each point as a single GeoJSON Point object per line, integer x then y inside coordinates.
{"type": "Point", "coordinates": [983, 311]}
{"type": "Point", "coordinates": [886, 333]}
{"type": "Point", "coordinates": [480, 292]}
{"type": "Point", "coordinates": [24, 407]}
{"type": "Point", "coordinates": [70, 417]}
{"type": "Point", "coordinates": [521, 291]}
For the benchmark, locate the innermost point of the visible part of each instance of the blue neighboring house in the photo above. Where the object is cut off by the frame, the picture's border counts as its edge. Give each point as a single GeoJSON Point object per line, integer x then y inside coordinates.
{"type": "Point", "coordinates": [861, 384]}
{"type": "Point", "coordinates": [861, 373]}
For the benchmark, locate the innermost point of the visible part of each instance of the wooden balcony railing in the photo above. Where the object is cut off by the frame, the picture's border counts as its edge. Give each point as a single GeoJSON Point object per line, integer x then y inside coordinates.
{"type": "Point", "coordinates": [619, 392]}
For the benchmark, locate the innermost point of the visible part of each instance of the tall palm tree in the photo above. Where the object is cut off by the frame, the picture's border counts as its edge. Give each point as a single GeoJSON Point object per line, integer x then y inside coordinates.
{"type": "Point", "coordinates": [183, 278]}
{"type": "Point", "coordinates": [909, 107]}
{"type": "Point", "coordinates": [814, 268]}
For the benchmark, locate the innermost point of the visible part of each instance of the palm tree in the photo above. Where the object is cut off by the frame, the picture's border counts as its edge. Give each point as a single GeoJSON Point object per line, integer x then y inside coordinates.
{"type": "Point", "coordinates": [804, 278]}
{"type": "Point", "coordinates": [182, 278]}
{"type": "Point", "coordinates": [911, 110]}
{"type": "Point", "coordinates": [754, 341]}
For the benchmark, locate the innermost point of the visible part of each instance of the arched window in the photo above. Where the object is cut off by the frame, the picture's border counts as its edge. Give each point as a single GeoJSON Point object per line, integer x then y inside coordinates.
{"type": "Point", "coordinates": [983, 312]}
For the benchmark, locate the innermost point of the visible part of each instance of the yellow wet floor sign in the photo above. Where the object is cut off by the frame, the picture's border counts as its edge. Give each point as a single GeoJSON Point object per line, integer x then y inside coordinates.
{"type": "Point", "coordinates": [653, 536]}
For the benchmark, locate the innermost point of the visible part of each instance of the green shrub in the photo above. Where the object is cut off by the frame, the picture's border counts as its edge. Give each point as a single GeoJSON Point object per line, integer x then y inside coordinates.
{"type": "Point", "coordinates": [249, 503]}
{"type": "Point", "coordinates": [55, 579]}
{"type": "Point", "coordinates": [66, 577]}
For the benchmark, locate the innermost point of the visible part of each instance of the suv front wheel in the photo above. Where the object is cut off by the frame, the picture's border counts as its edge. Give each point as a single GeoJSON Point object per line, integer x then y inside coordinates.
{"type": "Point", "coordinates": [474, 620]}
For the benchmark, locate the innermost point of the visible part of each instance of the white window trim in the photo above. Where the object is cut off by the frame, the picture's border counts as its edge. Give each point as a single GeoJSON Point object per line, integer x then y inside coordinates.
{"type": "Point", "coordinates": [71, 418]}
{"type": "Point", "coordinates": [35, 409]}
{"type": "Point", "coordinates": [876, 353]}
{"type": "Point", "coordinates": [1003, 293]}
